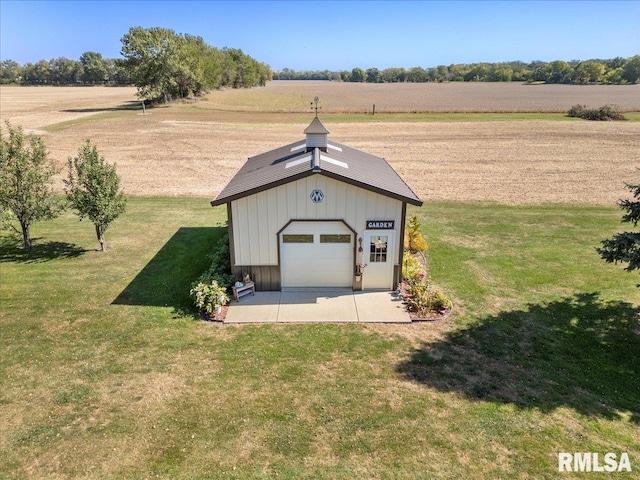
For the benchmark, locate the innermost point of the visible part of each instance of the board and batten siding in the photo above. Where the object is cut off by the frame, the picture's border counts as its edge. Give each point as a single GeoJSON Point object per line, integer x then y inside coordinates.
{"type": "Point", "coordinates": [259, 217]}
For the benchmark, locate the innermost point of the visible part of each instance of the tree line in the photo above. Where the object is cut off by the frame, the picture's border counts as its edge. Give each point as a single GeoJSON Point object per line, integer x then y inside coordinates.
{"type": "Point", "coordinates": [90, 69]}
{"type": "Point", "coordinates": [615, 71]}
{"type": "Point", "coordinates": [163, 65]}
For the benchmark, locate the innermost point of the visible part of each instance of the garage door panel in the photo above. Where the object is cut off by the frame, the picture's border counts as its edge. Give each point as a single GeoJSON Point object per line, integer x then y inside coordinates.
{"type": "Point", "coordinates": [319, 264]}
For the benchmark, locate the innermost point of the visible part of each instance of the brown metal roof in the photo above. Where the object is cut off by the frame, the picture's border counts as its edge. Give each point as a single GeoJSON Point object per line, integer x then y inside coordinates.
{"type": "Point", "coordinates": [292, 162]}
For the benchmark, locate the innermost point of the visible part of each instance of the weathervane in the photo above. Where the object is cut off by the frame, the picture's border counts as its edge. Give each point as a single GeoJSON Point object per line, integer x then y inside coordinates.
{"type": "Point", "coordinates": [314, 105]}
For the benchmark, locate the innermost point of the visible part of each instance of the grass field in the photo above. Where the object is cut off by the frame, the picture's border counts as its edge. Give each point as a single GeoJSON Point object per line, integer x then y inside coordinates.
{"type": "Point", "coordinates": [105, 374]}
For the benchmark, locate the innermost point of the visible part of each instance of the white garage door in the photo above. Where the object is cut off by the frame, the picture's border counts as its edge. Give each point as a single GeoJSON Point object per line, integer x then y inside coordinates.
{"type": "Point", "coordinates": [316, 254]}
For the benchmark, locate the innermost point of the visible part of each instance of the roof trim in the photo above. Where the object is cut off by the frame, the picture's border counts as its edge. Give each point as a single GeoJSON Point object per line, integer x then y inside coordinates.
{"type": "Point", "coordinates": [372, 188]}
{"type": "Point", "coordinates": [307, 173]}
{"type": "Point", "coordinates": [261, 188]}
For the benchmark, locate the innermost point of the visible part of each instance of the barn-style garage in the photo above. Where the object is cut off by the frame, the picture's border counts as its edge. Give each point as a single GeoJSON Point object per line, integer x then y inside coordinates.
{"type": "Point", "coordinates": [317, 213]}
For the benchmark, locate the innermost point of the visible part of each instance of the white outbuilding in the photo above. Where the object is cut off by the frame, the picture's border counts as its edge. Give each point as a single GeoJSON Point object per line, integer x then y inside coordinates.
{"type": "Point", "coordinates": [316, 213]}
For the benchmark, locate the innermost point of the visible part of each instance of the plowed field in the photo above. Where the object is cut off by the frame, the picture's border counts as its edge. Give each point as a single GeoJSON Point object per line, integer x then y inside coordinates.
{"type": "Point", "coordinates": [194, 149]}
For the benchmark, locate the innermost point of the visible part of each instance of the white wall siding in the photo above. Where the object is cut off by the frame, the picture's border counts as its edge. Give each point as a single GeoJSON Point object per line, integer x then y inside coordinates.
{"type": "Point", "coordinates": [257, 218]}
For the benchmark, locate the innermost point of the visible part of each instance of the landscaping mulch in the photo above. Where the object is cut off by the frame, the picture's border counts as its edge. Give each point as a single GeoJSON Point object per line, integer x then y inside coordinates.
{"type": "Point", "coordinates": [415, 316]}
{"type": "Point", "coordinates": [215, 317]}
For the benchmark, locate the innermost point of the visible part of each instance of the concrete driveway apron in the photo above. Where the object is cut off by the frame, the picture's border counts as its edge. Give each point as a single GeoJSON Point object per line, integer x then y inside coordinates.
{"type": "Point", "coordinates": [300, 305]}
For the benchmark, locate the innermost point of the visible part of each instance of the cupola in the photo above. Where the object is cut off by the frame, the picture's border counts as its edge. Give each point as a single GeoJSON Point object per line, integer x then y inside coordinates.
{"type": "Point", "coordinates": [316, 135]}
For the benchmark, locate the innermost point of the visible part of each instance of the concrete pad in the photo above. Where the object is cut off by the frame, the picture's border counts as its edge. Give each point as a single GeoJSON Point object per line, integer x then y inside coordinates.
{"type": "Point", "coordinates": [317, 305]}
{"type": "Point", "coordinates": [380, 306]}
{"type": "Point", "coordinates": [259, 308]}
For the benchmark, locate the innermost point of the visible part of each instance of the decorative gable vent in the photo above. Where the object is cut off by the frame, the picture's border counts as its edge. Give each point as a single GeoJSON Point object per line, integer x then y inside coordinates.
{"type": "Point", "coordinates": [316, 135]}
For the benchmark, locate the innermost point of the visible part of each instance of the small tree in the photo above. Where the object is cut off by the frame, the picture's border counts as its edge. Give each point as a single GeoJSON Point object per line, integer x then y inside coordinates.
{"type": "Point", "coordinates": [414, 241]}
{"type": "Point", "coordinates": [93, 189]}
{"type": "Point", "coordinates": [25, 181]}
{"type": "Point", "coordinates": [625, 247]}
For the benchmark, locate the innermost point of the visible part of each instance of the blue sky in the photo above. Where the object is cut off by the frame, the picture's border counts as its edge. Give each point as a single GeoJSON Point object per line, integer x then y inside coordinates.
{"type": "Point", "coordinates": [334, 35]}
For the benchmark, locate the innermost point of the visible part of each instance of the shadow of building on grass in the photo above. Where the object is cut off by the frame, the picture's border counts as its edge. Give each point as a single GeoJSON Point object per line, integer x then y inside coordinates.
{"type": "Point", "coordinates": [578, 352]}
{"type": "Point", "coordinates": [166, 280]}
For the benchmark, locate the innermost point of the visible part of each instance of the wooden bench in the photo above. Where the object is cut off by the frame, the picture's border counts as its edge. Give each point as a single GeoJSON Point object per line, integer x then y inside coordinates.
{"type": "Point", "coordinates": [245, 289]}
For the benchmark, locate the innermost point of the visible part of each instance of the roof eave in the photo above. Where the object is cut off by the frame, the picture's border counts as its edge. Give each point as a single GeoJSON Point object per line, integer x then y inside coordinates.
{"type": "Point", "coordinates": [261, 188]}
{"type": "Point", "coordinates": [372, 188]}
{"type": "Point", "coordinates": [230, 198]}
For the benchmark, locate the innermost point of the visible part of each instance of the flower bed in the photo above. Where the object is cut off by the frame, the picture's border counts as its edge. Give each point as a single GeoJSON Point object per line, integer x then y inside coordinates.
{"type": "Point", "coordinates": [424, 303]}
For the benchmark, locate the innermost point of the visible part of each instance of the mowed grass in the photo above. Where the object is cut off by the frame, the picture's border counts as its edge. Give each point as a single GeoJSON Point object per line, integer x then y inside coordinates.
{"type": "Point", "coordinates": [106, 373]}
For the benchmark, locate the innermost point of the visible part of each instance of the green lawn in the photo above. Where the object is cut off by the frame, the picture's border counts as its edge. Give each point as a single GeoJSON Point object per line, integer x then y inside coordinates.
{"type": "Point", "coordinates": [105, 372]}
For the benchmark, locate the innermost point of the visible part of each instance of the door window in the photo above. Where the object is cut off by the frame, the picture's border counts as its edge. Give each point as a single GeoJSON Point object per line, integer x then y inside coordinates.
{"type": "Point", "coordinates": [378, 248]}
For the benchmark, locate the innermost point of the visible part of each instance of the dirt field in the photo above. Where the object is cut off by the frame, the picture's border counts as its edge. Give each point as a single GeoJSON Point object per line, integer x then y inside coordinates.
{"type": "Point", "coordinates": [295, 96]}
{"type": "Point", "coordinates": [36, 107]}
{"type": "Point", "coordinates": [193, 150]}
